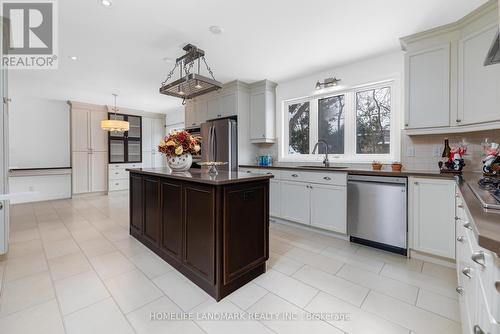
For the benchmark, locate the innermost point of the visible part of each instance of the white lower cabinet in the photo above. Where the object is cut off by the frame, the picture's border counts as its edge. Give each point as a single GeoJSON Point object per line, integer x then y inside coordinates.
{"type": "Point", "coordinates": [119, 176]}
{"type": "Point", "coordinates": [432, 216]}
{"type": "Point", "coordinates": [328, 207]}
{"type": "Point", "coordinates": [317, 199]}
{"type": "Point", "coordinates": [274, 198]}
{"type": "Point", "coordinates": [478, 273]}
{"type": "Point", "coordinates": [295, 201]}
{"type": "Point", "coordinates": [89, 172]}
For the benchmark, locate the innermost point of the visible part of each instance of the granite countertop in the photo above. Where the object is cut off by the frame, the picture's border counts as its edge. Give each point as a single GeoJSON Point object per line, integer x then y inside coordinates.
{"type": "Point", "coordinates": [358, 171]}
{"type": "Point", "coordinates": [202, 176]}
{"type": "Point", "coordinates": [486, 222]}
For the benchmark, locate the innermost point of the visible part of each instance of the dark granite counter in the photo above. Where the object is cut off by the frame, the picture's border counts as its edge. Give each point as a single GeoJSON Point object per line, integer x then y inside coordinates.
{"type": "Point", "coordinates": [358, 171]}
{"type": "Point", "coordinates": [202, 176]}
{"type": "Point", "coordinates": [486, 223]}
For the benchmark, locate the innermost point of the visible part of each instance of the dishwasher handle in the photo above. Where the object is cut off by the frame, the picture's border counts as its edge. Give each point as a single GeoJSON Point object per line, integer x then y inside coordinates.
{"type": "Point", "coordinates": [377, 179]}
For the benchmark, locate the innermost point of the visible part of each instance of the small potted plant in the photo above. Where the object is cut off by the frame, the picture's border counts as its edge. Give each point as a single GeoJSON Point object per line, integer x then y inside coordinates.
{"type": "Point", "coordinates": [179, 147]}
{"type": "Point", "coordinates": [376, 165]}
{"type": "Point", "coordinates": [396, 166]}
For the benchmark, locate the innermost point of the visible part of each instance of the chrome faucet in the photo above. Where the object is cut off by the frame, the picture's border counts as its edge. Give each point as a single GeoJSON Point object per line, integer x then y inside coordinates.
{"type": "Point", "coordinates": [326, 162]}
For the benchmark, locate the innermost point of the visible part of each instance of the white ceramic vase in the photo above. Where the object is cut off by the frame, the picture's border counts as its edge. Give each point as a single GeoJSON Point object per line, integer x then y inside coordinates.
{"type": "Point", "coordinates": [180, 163]}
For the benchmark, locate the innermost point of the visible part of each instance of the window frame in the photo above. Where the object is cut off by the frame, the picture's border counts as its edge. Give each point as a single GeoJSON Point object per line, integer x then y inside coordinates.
{"type": "Point", "coordinates": [350, 126]}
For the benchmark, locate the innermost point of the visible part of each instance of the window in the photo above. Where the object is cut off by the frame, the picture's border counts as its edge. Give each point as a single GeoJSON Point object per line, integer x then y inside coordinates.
{"type": "Point", "coordinates": [298, 125]}
{"type": "Point", "coordinates": [373, 121]}
{"type": "Point", "coordinates": [331, 123]}
{"type": "Point", "coordinates": [358, 125]}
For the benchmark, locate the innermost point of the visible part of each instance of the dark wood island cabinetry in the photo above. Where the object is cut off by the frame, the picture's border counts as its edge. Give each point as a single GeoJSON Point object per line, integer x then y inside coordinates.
{"type": "Point", "coordinates": [213, 229]}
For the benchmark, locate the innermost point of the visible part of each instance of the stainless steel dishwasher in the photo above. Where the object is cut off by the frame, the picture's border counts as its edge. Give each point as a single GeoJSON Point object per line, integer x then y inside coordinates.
{"type": "Point", "coordinates": [377, 212]}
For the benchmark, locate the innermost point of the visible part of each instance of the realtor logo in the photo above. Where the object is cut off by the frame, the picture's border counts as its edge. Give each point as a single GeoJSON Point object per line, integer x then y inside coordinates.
{"type": "Point", "coordinates": [30, 41]}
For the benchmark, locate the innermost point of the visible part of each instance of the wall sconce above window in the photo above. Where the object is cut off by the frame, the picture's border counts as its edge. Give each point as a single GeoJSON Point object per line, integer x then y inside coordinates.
{"type": "Point", "coordinates": [328, 82]}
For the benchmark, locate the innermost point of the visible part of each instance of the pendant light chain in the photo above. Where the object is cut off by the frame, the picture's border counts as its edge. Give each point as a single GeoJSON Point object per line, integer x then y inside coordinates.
{"type": "Point", "coordinates": [208, 67]}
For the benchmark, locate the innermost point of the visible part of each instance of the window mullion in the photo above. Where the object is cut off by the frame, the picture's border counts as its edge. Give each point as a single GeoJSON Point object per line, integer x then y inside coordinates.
{"type": "Point", "coordinates": [313, 124]}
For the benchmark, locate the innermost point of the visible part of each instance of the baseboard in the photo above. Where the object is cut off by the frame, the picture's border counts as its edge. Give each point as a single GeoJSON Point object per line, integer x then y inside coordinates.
{"type": "Point", "coordinates": [309, 228]}
{"type": "Point", "coordinates": [436, 259]}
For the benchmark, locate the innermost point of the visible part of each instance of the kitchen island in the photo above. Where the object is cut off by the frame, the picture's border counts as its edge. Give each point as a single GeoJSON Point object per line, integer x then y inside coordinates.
{"type": "Point", "coordinates": [212, 229]}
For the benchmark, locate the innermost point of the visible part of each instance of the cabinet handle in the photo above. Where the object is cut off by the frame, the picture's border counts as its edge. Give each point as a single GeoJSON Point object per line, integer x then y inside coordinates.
{"type": "Point", "coordinates": [116, 184]}
{"type": "Point", "coordinates": [460, 290]}
{"type": "Point", "coordinates": [457, 218]}
{"type": "Point", "coordinates": [468, 226]}
{"type": "Point", "coordinates": [269, 173]}
{"type": "Point", "coordinates": [459, 120]}
{"type": "Point", "coordinates": [497, 286]}
{"type": "Point", "coordinates": [466, 271]}
{"type": "Point", "coordinates": [416, 183]}
{"type": "Point", "coordinates": [461, 239]}
{"type": "Point", "coordinates": [295, 175]}
{"type": "Point", "coordinates": [406, 124]}
{"type": "Point", "coordinates": [461, 206]}
{"type": "Point", "coordinates": [327, 178]}
{"type": "Point", "coordinates": [116, 173]}
{"type": "Point", "coordinates": [478, 257]}
{"type": "Point", "coordinates": [478, 330]}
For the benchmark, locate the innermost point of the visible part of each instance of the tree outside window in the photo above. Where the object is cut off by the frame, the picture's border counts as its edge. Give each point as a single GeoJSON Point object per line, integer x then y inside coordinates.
{"type": "Point", "coordinates": [298, 128]}
{"type": "Point", "coordinates": [331, 123]}
{"type": "Point", "coordinates": [373, 121]}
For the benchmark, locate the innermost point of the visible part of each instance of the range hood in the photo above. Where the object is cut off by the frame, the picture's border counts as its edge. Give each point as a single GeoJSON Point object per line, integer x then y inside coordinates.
{"type": "Point", "coordinates": [493, 56]}
{"type": "Point", "coordinates": [189, 84]}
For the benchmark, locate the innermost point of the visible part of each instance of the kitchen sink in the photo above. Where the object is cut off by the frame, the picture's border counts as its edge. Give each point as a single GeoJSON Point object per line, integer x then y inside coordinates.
{"type": "Point", "coordinates": [325, 167]}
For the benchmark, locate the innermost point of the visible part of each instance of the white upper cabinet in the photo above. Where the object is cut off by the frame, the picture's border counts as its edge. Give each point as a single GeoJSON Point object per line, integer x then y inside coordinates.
{"type": "Point", "coordinates": [213, 108]}
{"type": "Point", "coordinates": [222, 104]}
{"type": "Point", "coordinates": [478, 85]}
{"type": "Point", "coordinates": [262, 112]}
{"type": "Point", "coordinates": [447, 87]}
{"type": "Point", "coordinates": [80, 141]}
{"type": "Point", "coordinates": [190, 119]}
{"type": "Point", "coordinates": [427, 76]}
{"type": "Point", "coordinates": [98, 137]}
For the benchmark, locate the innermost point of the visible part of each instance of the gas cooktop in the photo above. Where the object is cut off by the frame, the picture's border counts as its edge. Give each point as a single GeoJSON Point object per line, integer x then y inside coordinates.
{"type": "Point", "coordinates": [487, 191]}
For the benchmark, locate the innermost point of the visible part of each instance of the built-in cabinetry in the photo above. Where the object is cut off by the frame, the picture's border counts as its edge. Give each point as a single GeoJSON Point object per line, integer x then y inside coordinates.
{"type": "Point", "coordinates": [317, 199]}
{"type": "Point", "coordinates": [118, 176]}
{"type": "Point", "coordinates": [447, 87]}
{"type": "Point", "coordinates": [125, 147]}
{"type": "Point", "coordinates": [89, 149]}
{"type": "Point", "coordinates": [262, 112]}
{"type": "Point", "coordinates": [153, 131]}
{"type": "Point", "coordinates": [432, 216]}
{"type": "Point", "coordinates": [478, 272]}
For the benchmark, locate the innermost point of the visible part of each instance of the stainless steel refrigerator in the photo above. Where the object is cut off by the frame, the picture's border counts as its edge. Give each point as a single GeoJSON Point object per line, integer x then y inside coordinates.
{"type": "Point", "coordinates": [219, 142]}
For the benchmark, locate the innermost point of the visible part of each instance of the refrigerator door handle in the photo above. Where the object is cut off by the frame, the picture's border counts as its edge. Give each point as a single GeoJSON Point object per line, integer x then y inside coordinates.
{"type": "Point", "coordinates": [215, 144]}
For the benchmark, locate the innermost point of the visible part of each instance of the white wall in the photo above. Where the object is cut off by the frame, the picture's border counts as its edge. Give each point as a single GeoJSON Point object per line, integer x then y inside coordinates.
{"type": "Point", "coordinates": [39, 137]}
{"type": "Point", "coordinates": [39, 134]}
{"type": "Point", "coordinates": [387, 66]}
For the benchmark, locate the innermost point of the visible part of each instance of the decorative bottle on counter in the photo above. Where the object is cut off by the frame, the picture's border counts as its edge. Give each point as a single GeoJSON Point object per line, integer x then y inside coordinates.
{"type": "Point", "coordinates": [447, 149]}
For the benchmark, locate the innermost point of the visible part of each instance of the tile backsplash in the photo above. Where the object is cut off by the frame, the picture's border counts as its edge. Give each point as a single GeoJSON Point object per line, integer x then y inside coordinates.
{"type": "Point", "coordinates": [424, 152]}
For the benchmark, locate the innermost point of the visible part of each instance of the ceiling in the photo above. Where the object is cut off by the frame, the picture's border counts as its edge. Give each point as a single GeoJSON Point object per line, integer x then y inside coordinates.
{"type": "Point", "coordinates": [121, 49]}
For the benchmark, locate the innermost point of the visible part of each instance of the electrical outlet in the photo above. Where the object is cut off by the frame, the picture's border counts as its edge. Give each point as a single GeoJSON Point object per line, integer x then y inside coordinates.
{"type": "Point", "coordinates": [410, 151]}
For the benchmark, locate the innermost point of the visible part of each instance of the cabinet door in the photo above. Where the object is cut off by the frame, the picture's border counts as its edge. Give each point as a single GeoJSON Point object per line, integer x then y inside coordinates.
{"type": "Point", "coordinates": [136, 204]}
{"type": "Point", "coordinates": [275, 198]}
{"type": "Point", "coordinates": [329, 207]}
{"type": "Point", "coordinates": [80, 171]}
{"type": "Point", "coordinates": [200, 111]}
{"type": "Point", "coordinates": [258, 116]}
{"type": "Point", "coordinates": [152, 209]}
{"type": "Point", "coordinates": [199, 224]}
{"type": "Point", "coordinates": [171, 226]}
{"type": "Point", "coordinates": [189, 115]}
{"type": "Point", "coordinates": [295, 201]}
{"type": "Point", "coordinates": [98, 171]}
{"type": "Point", "coordinates": [98, 137]}
{"type": "Point", "coordinates": [214, 108]}
{"type": "Point", "coordinates": [432, 207]}
{"type": "Point", "coordinates": [147, 129]}
{"type": "Point", "coordinates": [428, 88]}
{"type": "Point", "coordinates": [80, 141]}
{"type": "Point", "coordinates": [478, 85]}
{"type": "Point", "coordinates": [134, 127]}
{"type": "Point", "coordinates": [228, 105]}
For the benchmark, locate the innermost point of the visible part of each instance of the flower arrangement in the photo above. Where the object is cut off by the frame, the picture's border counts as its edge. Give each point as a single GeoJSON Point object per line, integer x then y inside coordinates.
{"type": "Point", "coordinates": [179, 143]}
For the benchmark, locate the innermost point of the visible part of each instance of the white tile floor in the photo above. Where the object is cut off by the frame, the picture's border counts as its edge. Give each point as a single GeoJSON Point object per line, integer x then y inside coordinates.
{"type": "Point", "coordinates": [72, 268]}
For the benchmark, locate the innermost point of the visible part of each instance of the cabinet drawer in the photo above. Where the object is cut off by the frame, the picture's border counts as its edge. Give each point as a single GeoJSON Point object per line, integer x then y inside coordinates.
{"type": "Point", "coordinates": [124, 166]}
{"type": "Point", "coordinates": [261, 171]}
{"type": "Point", "coordinates": [294, 175]}
{"type": "Point", "coordinates": [115, 185]}
{"type": "Point", "coordinates": [117, 174]}
{"type": "Point", "coordinates": [334, 178]}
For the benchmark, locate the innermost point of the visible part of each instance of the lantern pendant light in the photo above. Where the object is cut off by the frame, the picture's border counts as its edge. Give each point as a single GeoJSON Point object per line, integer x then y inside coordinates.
{"type": "Point", "coordinates": [114, 124]}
